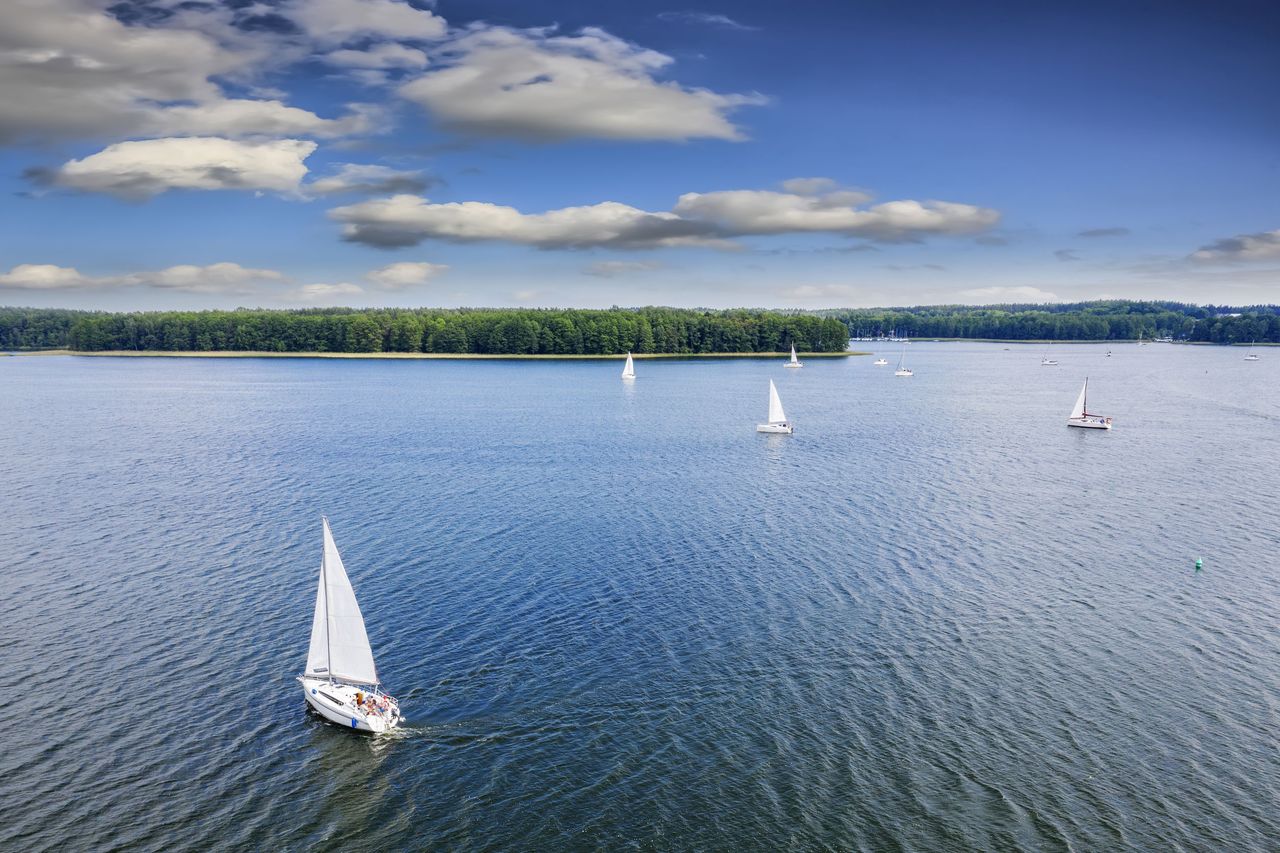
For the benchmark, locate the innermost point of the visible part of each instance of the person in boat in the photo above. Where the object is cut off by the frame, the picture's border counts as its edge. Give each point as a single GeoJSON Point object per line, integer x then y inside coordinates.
{"type": "Point", "coordinates": [359, 699]}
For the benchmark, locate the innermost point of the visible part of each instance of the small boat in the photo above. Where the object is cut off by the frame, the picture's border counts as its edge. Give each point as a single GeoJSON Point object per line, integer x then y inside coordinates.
{"type": "Point", "coordinates": [794, 362]}
{"type": "Point", "coordinates": [1251, 356]}
{"type": "Point", "coordinates": [1080, 416]}
{"type": "Point", "coordinates": [902, 370]}
{"type": "Point", "coordinates": [1045, 361]}
{"type": "Point", "coordinates": [880, 362]}
{"type": "Point", "coordinates": [1108, 353]}
{"type": "Point", "coordinates": [629, 369]}
{"type": "Point", "coordinates": [341, 681]}
{"type": "Point", "coordinates": [778, 422]}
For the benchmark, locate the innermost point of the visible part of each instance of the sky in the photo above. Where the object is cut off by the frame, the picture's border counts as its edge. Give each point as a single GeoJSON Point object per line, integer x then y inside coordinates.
{"type": "Point", "coordinates": [166, 154]}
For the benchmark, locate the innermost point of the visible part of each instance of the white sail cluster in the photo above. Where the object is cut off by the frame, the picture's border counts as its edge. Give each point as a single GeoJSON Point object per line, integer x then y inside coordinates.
{"type": "Point", "coordinates": [339, 645]}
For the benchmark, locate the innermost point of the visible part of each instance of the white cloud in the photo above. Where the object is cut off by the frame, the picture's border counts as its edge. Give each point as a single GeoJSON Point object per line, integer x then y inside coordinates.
{"type": "Point", "coordinates": [324, 292]}
{"type": "Point", "coordinates": [240, 118]}
{"type": "Point", "coordinates": [146, 168]}
{"type": "Point", "coordinates": [530, 84]}
{"type": "Point", "coordinates": [612, 269]}
{"type": "Point", "coordinates": [710, 19]}
{"type": "Point", "coordinates": [369, 180]}
{"type": "Point", "coordinates": [388, 55]}
{"type": "Point", "coordinates": [1263, 246]}
{"type": "Point", "coordinates": [406, 220]}
{"type": "Point", "coordinates": [404, 274]}
{"type": "Point", "coordinates": [1006, 295]}
{"type": "Point", "coordinates": [336, 21]}
{"type": "Point", "coordinates": [706, 219]}
{"type": "Point", "coordinates": [809, 186]}
{"type": "Point", "coordinates": [214, 278]}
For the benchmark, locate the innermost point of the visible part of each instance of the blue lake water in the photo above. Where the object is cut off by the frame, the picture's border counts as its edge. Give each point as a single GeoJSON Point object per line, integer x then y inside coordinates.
{"type": "Point", "coordinates": [618, 618]}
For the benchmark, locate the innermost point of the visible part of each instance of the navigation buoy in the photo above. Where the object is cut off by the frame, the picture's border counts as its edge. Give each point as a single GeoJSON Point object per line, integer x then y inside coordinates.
{"type": "Point", "coordinates": [1199, 564]}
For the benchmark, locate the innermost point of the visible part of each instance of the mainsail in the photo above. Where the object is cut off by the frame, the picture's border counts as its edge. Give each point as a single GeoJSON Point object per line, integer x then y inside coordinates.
{"type": "Point", "coordinates": [629, 371]}
{"type": "Point", "coordinates": [794, 360]}
{"type": "Point", "coordinates": [1078, 410]}
{"type": "Point", "coordinates": [776, 415]}
{"type": "Point", "coordinates": [339, 644]}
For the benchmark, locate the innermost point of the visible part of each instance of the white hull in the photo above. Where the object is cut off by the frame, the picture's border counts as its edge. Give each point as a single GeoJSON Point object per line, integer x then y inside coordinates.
{"type": "Point", "coordinates": [796, 364]}
{"type": "Point", "coordinates": [1090, 422]}
{"type": "Point", "coordinates": [1251, 358]}
{"type": "Point", "coordinates": [1048, 364]}
{"type": "Point", "coordinates": [880, 362]}
{"type": "Point", "coordinates": [777, 429]}
{"type": "Point", "coordinates": [336, 703]}
{"type": "Point", "coordinates": [903, 372]}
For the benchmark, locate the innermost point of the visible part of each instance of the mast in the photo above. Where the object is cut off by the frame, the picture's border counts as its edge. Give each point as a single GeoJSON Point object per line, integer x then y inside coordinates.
{"type": "Point", "coordinates": [324, 582]}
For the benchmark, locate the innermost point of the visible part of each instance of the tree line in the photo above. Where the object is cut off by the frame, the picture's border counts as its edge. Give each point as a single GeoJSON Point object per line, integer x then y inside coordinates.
{"type": "Point", "coordinates": [478, 331]}
{"type": "Point", "coordinates": [1104, 320]}
{"type": "Point", "coordinates": [616, 330]}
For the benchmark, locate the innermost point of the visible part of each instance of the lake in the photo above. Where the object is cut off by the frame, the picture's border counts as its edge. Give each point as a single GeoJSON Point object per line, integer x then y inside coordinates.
{"type": "Point", "coordinates": [618, 618]}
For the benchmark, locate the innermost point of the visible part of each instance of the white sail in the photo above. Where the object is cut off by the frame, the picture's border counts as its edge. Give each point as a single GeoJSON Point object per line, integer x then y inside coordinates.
{"type": "Point", "coordinates": [629, 370]}
{"type": "Point", "coordinates": [776, 415]}
{"type": "Point", "coordinates": [1078, 410]}
{"type": "Point", "coordinates": [339, 644]}
{"type": "Point", "coordinates": [794, 360]}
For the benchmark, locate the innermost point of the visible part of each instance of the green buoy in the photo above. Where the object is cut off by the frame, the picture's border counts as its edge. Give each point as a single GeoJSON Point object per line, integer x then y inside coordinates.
{"type": "Point", "coordinates": [1199, 564]}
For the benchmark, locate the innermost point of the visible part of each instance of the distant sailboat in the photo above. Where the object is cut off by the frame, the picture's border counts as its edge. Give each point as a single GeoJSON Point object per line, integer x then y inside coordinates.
{"type": "Point", "coordinates": [794, 362]}
{"type": "Point", "coordinates": [629, 369]}
{"type": "Point", "coordinates": [778, 422]}
{"type": "Point", "coordinates": [880, 362]}
{"type": "Point", "coordinates": [902, 370]}
{"type": "Point", "coordinates": [1045, 361]}
{"type": "Point", "coordinates": [1080, 416]}
{"type": "Point", "coordinates": [1251, 356]}
{"type": "Point", "coordinates": [341, 681]}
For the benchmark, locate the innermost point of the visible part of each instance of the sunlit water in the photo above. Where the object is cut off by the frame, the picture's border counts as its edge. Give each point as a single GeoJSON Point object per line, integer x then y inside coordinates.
{"type": "Point", "coordinates": [618, 618]}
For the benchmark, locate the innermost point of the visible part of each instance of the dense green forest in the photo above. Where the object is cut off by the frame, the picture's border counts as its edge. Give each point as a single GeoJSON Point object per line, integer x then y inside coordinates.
{"type": "Point", "coordinates": [481, 331]}
{"type": "Point", "coordinates": [1108, 320]}
{"type": "Point", "coordinates": [616, 330]}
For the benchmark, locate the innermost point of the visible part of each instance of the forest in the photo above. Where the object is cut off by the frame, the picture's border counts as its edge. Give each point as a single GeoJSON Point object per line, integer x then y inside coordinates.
{"type": "Point", "coordinates": [616, 330]}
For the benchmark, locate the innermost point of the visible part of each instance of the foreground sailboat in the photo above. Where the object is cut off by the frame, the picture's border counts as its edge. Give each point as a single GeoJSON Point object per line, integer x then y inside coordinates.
{"type": "Point", "coordinates": [341, 682]}
{"type": "Point", "coordinates": [1080, 416]}
{"type": "Point", "coordinates": [778, 422]}
{"type": "Point", "coordinates": [902, 369]}
{"type": "Point", "coordinates": [794, 362]}
{"type": "Point", "coordinates": [629, 369]}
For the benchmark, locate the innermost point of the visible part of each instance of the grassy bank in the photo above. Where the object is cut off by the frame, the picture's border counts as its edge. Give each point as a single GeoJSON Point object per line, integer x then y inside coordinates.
{"type": "Point", "coordinates": [427, 355]}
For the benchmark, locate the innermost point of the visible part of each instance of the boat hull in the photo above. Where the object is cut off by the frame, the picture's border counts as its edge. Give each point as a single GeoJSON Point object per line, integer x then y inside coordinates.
{"type": "Point", "coordinates": [1091, 422]}
{"type": "Point", "coordinates": [776, 429]}
{"type": "Point", "coordinates": [336, 703]}
{"type": "Point", "coordinates": [797, 364]}
{"type": "Point", "coordinates": [903, 373]}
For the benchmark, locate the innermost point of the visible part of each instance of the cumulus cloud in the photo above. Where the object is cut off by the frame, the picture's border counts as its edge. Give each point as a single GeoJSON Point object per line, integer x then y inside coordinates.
{"type": "Point", "coordinates": [381, 56]}
{"type": "Point", "coordinates": [324, 292]}
{"type": "Point", "coordinates": [214, 278]}
{"type": "Point", "coordinates": [710, 19]}
{"type": "Point", "coordinates": [72, 69]}
{"type": "Point", "coordinates": [404, 274]}
{"type": "Point", "coordinates": [1009, 295]}
{"type": "Point", "coordinates": [698, 219]}
{"type": "Point", "coordinates": [1104, 232]}
{"type": "Point", "coordinates": [337, 21]}
{"type": "Point", "coordinates": [612, 269]}
{"type": "Point", "coordinates": [1263, 246]}
{"type": "Point", "coordinates": [532, 84]}
{"type": "Point", "coordinates": [368, 179]}
{"type": "Point", "coordinates": [138, 170]}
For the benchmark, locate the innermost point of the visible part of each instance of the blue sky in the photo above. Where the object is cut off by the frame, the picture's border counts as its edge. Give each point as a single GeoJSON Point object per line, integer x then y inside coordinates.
{"type": "Point", "coordinates": [170, 154]}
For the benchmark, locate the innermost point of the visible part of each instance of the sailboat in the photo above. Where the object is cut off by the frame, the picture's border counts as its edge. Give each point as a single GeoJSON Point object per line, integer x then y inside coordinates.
{"type": "Point", "coordinates": [629, 369]}
{"type": "Point", "coordinates": [1251, 356]}
{"type": "Point", "coordinates": [794, 362]}
{"type": "Point", "coordinates": [1045, 361]}
{"type": "Point", "coordinates": [1080, 416]}
{"type": "Point", "coordinates": [778, 422]}
{"type": "Point", "coordinates": [880, 362]}
{"type": "Point", "coordinates": [341, 681]}
{"type": "Point", "coordinates": [903, 371]}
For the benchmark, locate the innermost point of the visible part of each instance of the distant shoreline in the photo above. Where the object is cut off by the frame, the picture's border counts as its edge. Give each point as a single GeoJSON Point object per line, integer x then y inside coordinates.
{"type": "Point", "coordinates": [426, 355]}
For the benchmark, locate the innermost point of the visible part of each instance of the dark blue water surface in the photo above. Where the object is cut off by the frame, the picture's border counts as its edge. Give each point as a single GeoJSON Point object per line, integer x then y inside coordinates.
{"type": "Point", "coordinates": [617, 618]}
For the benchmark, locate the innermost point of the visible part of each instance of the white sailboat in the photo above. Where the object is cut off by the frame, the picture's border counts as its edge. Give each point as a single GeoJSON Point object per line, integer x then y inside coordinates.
{"type": "Point", "coordinates": [778, 422]}
{"type": "Point", "coordinates": [880, 362]}
{"type": "Point", "coordinates": [629, 369]}
{"type": "Point", "coordinates": [1080, 416]}
{"type": "Point", "coordinates": [794, 362]}
{"type": "Point", "coordinates": [1251, 356]}
{"type": "Point", "coordinates": [902, 370]}
{"type": "Point", "coordinates": [341, 681]}
{"type": "Point", "coordinates": [1045, 361]}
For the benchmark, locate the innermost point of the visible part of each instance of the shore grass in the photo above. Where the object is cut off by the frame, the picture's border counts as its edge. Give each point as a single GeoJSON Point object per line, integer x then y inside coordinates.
{"type": "Point", "coordinates": [427, 355]}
